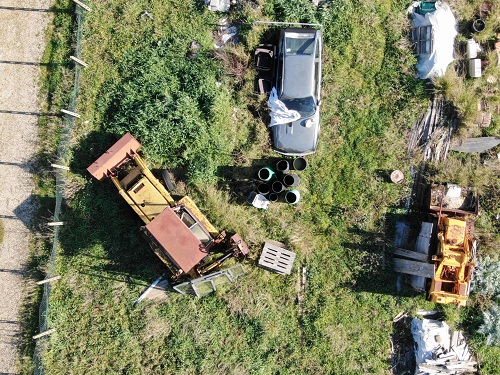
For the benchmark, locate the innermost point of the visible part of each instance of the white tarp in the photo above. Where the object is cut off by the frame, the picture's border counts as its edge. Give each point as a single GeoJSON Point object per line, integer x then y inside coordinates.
{"type": "Point", "coordinates": [429, 335]}
{"type": "Point", "coordinates": [280, 114]}
{"type": "Point", "coordinates": [444, 29]}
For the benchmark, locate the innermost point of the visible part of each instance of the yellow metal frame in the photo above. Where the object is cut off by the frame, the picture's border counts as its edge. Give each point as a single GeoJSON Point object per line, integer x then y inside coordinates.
{"type": "Point", "coordinates": [454, 261]}
{"type": "Point", "coordinates": [146, 172]}
{"type": "Point", "coordinates": [191, 206]}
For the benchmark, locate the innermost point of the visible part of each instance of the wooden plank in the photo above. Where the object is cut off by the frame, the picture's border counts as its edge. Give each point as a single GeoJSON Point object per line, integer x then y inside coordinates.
{"type": "Point", "coordinates": [410, 254]}
{"type": "Point", "coordinates": [48, 332]}
{"type": "Point", "coordinates": [424, 238]}
{"type": "Point", "coordinates": [73, 114]}
{"type": "Point", "coordinates": [78, 61]}
{"type": "Point", "coordinates": [58, 166]}
{"type": "Point", "coordinates": [84, 6]}
{"type": "Point", "coordinates": [55, 223]}
{"type": "Point", "coordinates": [48, 280]}
{"type": "Point", "coordinates": [411, 267]}
{"type": "Point", "coordinates": [434, 369]}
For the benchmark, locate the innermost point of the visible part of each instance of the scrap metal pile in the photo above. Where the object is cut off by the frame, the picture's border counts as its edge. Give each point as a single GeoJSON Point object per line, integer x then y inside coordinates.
{"type": "Point", "coordinates": [445, 249]}
{"type": "Point", "coordinates": [440, 351]}
{"type": "Point", "coordinates": [178, 232]}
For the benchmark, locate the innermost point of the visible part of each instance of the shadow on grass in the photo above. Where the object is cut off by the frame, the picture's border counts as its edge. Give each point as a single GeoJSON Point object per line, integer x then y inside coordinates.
{"type": "Point", "coordinates": [41, 10]}
{"type": "Point", "coordinates": [241, 180]}
{"type": "Point", "coordinates": [373, 253]}
{"type": "Point", "coordinates": [403, 354]}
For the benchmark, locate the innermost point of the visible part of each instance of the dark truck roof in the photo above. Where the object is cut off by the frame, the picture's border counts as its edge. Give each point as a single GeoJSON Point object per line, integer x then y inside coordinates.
{"type": "Point", "coordinates": [177, 241]}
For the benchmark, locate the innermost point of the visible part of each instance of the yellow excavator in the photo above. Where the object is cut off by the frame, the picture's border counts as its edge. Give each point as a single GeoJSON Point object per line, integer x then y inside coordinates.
{"type": "Point", "coordinates": [178, 232]}
{"type": "Point", "coordinates": [444, 251]}
{"type": "Point", "coordinates": [456, 249]}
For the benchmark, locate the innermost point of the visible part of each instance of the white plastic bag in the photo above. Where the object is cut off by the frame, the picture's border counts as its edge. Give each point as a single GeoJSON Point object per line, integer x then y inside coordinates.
{"type": "Point", "coordinates": [280, 114]}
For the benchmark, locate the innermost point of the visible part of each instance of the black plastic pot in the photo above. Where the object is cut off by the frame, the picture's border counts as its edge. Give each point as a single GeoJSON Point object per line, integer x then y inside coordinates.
{"type": "Point", "coordinates": [291, 180]}
{"type": "Point", "coordinates": [299, 164]}
{"type": "Point", "coordinates": [263, 189]}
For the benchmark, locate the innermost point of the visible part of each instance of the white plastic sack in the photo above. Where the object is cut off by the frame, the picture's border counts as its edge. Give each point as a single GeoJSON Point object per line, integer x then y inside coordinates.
{"type": "Point", "coordinates": [280, 114]}
{"type": "Point", "coordinates": [444, 28]}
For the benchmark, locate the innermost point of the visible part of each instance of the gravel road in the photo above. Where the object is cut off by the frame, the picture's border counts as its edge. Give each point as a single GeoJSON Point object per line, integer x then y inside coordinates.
{"type": "Point", "coordinates": [22, 40]}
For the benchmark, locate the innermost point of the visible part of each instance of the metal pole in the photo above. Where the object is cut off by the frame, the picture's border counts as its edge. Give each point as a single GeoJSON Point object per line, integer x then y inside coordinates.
{"type": "Point", "coordinates": [287, 23]}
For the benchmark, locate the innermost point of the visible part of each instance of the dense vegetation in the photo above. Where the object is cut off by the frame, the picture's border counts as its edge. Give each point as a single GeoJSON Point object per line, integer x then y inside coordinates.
{"type": "Point", "coordinates": [198, 115]}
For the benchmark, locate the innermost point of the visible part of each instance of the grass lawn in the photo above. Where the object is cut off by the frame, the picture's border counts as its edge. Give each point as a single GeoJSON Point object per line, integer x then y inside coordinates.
{"type": "Point", "coordinates": [201, 118]}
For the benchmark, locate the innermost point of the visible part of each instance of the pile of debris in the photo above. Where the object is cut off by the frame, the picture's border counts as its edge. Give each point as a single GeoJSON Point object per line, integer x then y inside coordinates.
{"type": "Point", "coordinates": [440, 351]}
{"type": "Point", "coordinates": [432, 132]}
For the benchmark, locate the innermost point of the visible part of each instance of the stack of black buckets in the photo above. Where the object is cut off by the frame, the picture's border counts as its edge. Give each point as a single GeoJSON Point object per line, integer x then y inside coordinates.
{"type": "Point", "coordinates": [280, 181]}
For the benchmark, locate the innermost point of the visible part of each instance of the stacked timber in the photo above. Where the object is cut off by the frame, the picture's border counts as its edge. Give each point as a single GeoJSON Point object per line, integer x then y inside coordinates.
{"type": "Point", "coordinates": [432, 132]}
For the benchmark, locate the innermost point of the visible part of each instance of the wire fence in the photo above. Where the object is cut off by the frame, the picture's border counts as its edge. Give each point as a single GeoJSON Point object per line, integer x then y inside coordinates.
{"type": "Point", "coordinates": [60, 176]}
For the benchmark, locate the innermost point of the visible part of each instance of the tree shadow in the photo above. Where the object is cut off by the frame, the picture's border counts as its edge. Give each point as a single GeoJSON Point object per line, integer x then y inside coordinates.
{"type": "Point", "coordinates": [101, 226]}
{"type": "Point", "coordinates": [402, 347]}
{"type": "Point", "coordinates": [28, 113]}
{"type": "Point", "coordinates": [51, 64]}
{"type": "Point", "coordinates": [25, 211]}
{"type": "Point", "coordinates": [41, 10]}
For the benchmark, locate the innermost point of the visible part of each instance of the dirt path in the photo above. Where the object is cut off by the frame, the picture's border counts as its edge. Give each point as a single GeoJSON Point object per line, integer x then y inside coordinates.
{"type": "Point", "coordinates": [22, 40]}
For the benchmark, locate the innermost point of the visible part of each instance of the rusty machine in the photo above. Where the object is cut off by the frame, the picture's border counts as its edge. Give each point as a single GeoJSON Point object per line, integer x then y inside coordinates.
{"type": "Point", "coordinates": [178, 232]}
{"type": "Point", "coordinates": [444, 250]}
{"type": "Point", "coordinates": [456, 247]}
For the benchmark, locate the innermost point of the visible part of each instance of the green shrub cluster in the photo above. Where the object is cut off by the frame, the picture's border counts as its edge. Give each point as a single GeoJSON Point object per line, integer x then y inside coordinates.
{"type": "Point", "coordinates": [168, 101]}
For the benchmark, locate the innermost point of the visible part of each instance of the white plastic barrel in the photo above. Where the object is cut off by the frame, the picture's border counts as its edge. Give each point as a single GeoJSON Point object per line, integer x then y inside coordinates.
{"type": "Point", "coordinates": [472, 49]}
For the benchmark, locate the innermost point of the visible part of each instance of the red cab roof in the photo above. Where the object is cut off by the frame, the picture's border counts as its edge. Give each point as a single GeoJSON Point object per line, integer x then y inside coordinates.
{"type": "Point", "coordinates": [177, 240]}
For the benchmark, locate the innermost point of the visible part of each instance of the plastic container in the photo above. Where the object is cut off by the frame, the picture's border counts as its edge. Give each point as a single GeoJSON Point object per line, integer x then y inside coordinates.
{"type": "Point", "coordinates": [475, 68]}
{"type": "Point", "coordinates": [283, 166]}
{"type": "Point", "coordinates": [277, 187]}
{"type": "Point", "coordinates": [472, 49]}
{"type": "Point", "coordinates": [478, 25]}
{"type": "Point", "coordinates": [291, 180]}
{"type": "Point", "coordinates": [273, 197]}
{"type": "Point", "coordinates": [265, 174]}
{"type": "Point", "coordinates": [263, 189]}
{"type": "Point", "coordinates": [299, 164]}
{"type": "Point", "coordinates": [292, 197]}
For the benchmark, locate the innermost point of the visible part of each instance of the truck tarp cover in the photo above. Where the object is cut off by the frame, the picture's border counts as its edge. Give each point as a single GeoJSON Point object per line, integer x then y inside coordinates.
{"type": "Point", "coordinates": [444, 29]}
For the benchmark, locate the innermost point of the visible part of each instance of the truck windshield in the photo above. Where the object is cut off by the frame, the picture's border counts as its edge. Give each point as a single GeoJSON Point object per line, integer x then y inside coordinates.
{"type": "Point", "coordinates": [196, 228]}
{"type": "Point", "coordinates": [299, 44]}
{"type": "Point", "coordinates": [305, 106]}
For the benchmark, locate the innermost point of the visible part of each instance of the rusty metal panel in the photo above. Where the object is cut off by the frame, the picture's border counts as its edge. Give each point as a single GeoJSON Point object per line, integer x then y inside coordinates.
{"type": "Point", "coordinates": [181, 245]}
{"type": "Point", "coordinates": [114, 157]}
{"type": "Point", "coordinates": [277, 259]}
{"type": "Point", "coordinates": [480, 144]}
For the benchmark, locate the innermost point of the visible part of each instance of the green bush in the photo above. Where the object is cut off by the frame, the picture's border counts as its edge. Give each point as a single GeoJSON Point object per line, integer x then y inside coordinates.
{"type": "Point", "coordinates": [491, 326]}
{"type": "Point", "coordinates": [167, 100]}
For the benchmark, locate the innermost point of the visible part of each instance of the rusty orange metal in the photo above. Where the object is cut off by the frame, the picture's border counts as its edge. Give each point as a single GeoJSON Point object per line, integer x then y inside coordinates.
{"type": "Point", "coordinates": [182, 247]}
{"type": "Point", "coordinates": [119, 153]}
